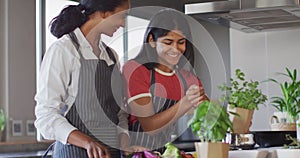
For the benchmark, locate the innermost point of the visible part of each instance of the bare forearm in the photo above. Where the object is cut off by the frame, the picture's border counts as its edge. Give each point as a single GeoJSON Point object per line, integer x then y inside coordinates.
{"type": "Point", "coordinates": [79, 139]}
{"type": "Point", "coordinates": [156, 122]}
{"type": "Point", "coordinates": [163, 119]}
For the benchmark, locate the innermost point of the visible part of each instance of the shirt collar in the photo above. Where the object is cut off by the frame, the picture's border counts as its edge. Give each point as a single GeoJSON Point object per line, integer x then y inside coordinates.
{"type": "Point", "coordinates": [164, 73]}
{"type": "Point", "coordinates": [104, 54]}
{"type": "Point", "coordinates": [87, 51]}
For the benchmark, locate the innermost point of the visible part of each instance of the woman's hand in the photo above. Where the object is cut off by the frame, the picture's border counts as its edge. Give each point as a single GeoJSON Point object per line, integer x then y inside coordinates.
{"type": "Point", "coordinates": [94, 149]}
{"type": "Point", "coordinates": [194, 96]}
{"type": "Point", "coordinates": [125, 145]}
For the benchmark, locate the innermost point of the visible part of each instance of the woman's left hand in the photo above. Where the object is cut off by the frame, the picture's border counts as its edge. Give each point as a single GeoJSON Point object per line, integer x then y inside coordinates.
{"type": "Point", "coordinates": [202, 98]}
{"type": "Point", "coordinates": [196, 95]}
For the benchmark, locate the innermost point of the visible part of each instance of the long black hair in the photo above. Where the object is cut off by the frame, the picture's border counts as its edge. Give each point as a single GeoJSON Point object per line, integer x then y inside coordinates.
{"type": "Point", "coordinates": [74, 16]}
{"type": "Point", "coordinates": [160, 25]}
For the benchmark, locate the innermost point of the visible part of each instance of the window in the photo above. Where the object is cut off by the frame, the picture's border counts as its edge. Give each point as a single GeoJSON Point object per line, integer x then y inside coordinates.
{"type": "Point", "coordinates": [134, 33]}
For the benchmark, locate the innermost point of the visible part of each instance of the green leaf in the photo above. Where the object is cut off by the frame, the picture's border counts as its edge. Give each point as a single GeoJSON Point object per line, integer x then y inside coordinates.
{"type": "Point", "coordinates": [243, 93]}
{"type": "Point", "coordinates": [290, 100]}
{"type": "Point", "coordinates": [196, 127]}
{"type": "Point", "coordinates": [210, 122]}
{"type": "Point", "coordinates": [2, 120]}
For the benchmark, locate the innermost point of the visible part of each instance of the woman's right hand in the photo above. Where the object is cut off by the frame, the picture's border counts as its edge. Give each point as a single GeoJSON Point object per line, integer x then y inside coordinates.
{"type": "Point", "coordinates": [94, 149]}
{"type": "Point", "coordinates": [194, 96]}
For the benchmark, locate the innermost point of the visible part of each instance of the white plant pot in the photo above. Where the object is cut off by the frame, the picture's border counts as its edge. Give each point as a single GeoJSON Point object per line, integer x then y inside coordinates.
{"type": "Point", "coordinates": [212, 150]}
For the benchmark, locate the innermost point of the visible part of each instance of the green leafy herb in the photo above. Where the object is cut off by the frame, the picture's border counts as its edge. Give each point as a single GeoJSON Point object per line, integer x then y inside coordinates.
{"type": "Point", "coordinates": [210, 122]}
{"type": "Point", "coordinates": [2, 120]}
{"type": "Point", "coordinates": [242, 93]}
{"type": "Point", "coordinates": [295, 144]}
{"type": "Point", "coordinates": [171, 151]}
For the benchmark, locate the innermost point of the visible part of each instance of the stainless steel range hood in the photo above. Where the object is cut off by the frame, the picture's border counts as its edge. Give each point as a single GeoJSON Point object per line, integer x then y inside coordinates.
{"type": "Point", "coordinates": [249, 15]}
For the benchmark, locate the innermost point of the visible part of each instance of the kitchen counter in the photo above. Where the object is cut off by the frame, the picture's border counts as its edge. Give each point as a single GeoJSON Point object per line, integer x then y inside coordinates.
{"type": "Point", "coordinates": [263, 153]}
{"type": "Point", "coordinates": [31, 154]}
{"type": "Point", "coordinates": [259, 153]}
{"type": "Point", "coordinates": [30, 149]}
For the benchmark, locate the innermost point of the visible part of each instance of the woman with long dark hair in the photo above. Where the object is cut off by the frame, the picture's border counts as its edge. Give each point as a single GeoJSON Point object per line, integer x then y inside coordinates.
{"type": "Point", "coordinates": [76, 105]}
{"type": "Point", "coordinates": [161, 83]}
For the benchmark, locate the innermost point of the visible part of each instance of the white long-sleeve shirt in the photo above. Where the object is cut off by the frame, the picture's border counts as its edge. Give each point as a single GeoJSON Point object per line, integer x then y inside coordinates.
{"type": "Point", "coordinates": [58, 86]}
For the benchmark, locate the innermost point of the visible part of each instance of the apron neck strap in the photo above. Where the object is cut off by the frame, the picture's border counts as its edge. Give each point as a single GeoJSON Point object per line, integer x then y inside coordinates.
{"type": "Point", "coordinates": [182, 80]}
{"type": "Point", "coordinates": [75, 43]}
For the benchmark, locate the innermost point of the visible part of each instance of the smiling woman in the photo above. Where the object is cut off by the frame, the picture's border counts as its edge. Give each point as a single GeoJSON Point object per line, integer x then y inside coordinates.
{"type": "Point", "coordinates": [161, 84]}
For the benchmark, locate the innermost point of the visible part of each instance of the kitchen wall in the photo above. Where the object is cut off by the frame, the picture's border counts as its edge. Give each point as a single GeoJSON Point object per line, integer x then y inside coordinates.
{"type": "Point", "coordinates": [260, 55]}
{"type": "Point", "coordinates": [2, 57]}
{"type": "Point", "coordinates": [212, 64]}
{"type": "Point", "coordinates": [18, 69]}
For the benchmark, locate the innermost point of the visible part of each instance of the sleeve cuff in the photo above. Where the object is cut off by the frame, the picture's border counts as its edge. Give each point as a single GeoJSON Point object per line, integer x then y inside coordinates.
{"type": "Point", "coordinates": [138, 96]}
{"type": "Point", "coordinates": [121, 130]}
{"type": "Point", "coordinates": [63, 131]}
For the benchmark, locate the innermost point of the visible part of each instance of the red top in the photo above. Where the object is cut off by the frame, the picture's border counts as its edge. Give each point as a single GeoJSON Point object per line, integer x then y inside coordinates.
{"type": "Point", "coordinates": [168, 85]}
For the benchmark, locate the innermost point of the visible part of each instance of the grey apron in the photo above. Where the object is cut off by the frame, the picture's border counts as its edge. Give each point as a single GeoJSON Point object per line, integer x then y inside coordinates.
{"type": "Point", "coordinates": [155, 142]}
{"type": "Point", "coordinates": [95, 109]}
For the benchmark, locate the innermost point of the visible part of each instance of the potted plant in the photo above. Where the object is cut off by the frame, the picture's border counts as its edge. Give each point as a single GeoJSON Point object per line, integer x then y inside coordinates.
{"type": "Point", "coordinates": [2, 122]}
{"type": "Point", "coordinates": [289, 102]}
{"type": "Point", "coordinates": [210, 123]}
{"type": "Point", "coordinates": [243, 97]}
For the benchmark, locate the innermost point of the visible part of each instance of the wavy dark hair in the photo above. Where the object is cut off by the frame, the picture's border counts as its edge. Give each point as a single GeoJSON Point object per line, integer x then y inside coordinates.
{"type": "Point", "coordinates": [160, 25]}
{"type": "Point", "coordinates": [74, 16]}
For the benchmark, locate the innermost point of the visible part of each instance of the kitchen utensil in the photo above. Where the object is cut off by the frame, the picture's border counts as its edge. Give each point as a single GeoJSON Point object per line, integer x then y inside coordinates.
{"type": "Point", "coordinates": [240, 141]}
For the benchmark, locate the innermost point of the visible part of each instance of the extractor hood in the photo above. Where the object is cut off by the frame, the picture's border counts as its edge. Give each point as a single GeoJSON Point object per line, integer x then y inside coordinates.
{"type": "Point", "coordinates": [248, 15]}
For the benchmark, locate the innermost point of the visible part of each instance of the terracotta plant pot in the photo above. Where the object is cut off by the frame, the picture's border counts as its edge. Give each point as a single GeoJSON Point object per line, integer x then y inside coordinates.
{"type": "Point", "coordinates": [212, 150]}
{"type": "Point", "coordinates": [241, 123]}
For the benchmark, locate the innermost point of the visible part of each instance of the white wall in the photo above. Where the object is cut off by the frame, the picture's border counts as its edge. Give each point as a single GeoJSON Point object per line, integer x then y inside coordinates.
{"type": "Point", "coordinates": [260, 55]}
{"type": "Point", "coordinates": [212, 64]}
{"type": "Point", "coordinates": [2, 55]}
{"type": "Point", "coordinates": [17, 72]}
